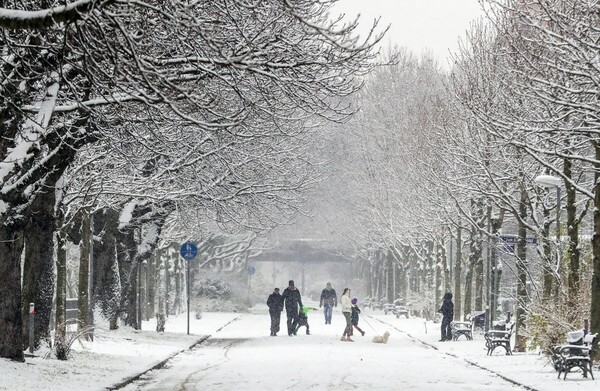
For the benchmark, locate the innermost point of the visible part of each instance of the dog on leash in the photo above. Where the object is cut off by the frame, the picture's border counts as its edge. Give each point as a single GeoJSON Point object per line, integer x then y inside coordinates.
{"type": "Point", "coordinates": [381, 338]}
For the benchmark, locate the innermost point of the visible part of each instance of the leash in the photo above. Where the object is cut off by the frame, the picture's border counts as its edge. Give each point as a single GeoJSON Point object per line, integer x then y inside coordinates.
{"type": "Point", "coordinates": [365, 319]}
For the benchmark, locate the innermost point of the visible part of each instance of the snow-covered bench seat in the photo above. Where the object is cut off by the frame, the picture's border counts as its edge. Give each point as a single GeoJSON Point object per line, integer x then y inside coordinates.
{"type": "Point", "coordinates": [461, 328]}
{"type": "Point", "coordinates": [577, 353]}
{"type": "Point", "coordinates": [496, 338]}
{"type": "Point", "coordinates": [401, 310]}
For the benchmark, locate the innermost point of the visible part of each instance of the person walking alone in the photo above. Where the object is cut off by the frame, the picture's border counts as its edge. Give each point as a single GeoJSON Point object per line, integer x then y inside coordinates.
{"type": "Point", "coordinates": [275, 304]}
{"type": "Point", "coordinates": [347, 311]}
{"type": "Point", "coordinates": [447, 311]}
{"type": "Point", "coordinates": [328, 301]}
{"type": "Point", "coordinates": [293, 303]}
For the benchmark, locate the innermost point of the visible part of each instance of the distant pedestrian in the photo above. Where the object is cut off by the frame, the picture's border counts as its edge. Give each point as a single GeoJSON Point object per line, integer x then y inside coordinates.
{"type": "Point", "coordinates": [355, 316]}
{"type": "Point", "coordinates": [293, 303]}
{"type": "Point", "coordinates": [303, 319]}
{"type": "Point", "coordinates": [328, 301]}
{"type": "Point", "coordinates": [447, 311]}
{"type": "Point", "coordinates": [347, 311]}
{"type": "Point", "coordinates": [275, 304]}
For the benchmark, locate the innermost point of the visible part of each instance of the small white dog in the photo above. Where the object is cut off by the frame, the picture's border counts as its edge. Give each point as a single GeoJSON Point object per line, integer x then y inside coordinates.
{"type": "Point", "coordinates": [381, 338]}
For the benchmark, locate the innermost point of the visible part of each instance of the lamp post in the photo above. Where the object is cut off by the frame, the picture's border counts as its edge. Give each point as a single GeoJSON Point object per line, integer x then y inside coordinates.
{"type": "Point", "coordinates": [552, 181]}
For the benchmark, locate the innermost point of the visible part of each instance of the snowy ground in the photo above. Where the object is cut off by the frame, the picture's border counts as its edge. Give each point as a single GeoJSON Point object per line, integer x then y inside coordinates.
{"type": "Point", "coordinates": [241, 355]}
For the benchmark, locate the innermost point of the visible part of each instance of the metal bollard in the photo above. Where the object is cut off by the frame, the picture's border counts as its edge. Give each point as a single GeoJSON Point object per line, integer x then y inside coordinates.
{"type": "Point", "coordinates": [31, 327]}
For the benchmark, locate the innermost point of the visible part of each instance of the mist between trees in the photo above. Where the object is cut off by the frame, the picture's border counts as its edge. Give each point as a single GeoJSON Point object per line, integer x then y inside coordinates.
{"type": "Point", "coordinates": [437, 173]}
{"type": "Point", "coordinates": [130, 127]}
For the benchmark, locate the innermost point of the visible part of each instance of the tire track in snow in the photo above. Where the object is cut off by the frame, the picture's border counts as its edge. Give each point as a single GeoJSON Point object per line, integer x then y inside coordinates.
{"type": "Point", "coordinates": [165, 362]}
{"type": "Point", "coordinates": [474, 364]}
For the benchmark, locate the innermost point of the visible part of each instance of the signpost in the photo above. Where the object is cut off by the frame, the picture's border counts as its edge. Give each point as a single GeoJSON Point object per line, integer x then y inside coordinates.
{"type": "Point", "coordinates": [188, 252]}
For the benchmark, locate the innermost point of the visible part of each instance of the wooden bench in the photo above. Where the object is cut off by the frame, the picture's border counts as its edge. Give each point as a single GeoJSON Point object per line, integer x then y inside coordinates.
{"type": "Point", "coordinates": [401, 310]}
{"type": "Point", "coordinates": [388, 308]}
{"type": "Point", "coordinates": [577, 353]}
{"type": "Point", "coordinates": [496, 338]}
{"type": "Point", "coordinates": [461, 328]}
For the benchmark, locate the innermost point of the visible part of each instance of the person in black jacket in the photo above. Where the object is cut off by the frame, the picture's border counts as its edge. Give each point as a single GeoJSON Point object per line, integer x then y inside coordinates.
{"type": "Point", "coordinates": [355, 315]}
{"type": "Point", "coordinates": [328, 300]}
{"type": "Point", "coordinates": [293, 303]}
{"type": "Point", "coordinates": [447, 311]}
{"type": "Point", "coordinates": [275, 304]}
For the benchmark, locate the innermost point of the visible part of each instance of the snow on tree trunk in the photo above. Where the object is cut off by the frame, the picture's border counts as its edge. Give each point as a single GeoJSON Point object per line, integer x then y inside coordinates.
{"type": "Point", "coordinates": [458, 276]}
{"type": "Point", "coordinates": [595, 306]}
{"type": "Point", "coordinates": [61, 348]}
{"type": "Point", "coordinates": [571, 251]}
{"type": "Point", "coordinates": [83, 303]}
{"type": "Point", "coordinates": [469, 278]}
{"type": "Point", "coordinates": [107, 284]}
{"type": "Point", "coordinates": [38, 268]}
{"type": "Point", "coordinates": [522, 271]}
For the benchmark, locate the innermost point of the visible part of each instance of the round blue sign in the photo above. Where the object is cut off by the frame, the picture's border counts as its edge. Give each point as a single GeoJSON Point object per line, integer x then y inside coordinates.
{"type": "Point", "coordinates": [188, 251]}
{"type": "Point", "coordinates": [251, 270]}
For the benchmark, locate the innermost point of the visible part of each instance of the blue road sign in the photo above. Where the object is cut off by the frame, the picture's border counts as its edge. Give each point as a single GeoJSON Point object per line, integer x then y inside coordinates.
{"type": "Point", "coordinates": [188, 251]}
{"type": "Point", "coordinates": [251, 270]}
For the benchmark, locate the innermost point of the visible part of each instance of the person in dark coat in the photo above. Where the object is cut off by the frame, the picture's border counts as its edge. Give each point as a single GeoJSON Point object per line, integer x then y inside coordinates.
{"type": "Point", "coordinates": [355, 315]}
{"type": "Point", "coordinates": [328, 301]}
{"type": "Point", "coordinates": [293, 304]}
{"type": "Point", "coordinates": [275, 304]}
{"type": "Point", "coordinates": [447, 311]}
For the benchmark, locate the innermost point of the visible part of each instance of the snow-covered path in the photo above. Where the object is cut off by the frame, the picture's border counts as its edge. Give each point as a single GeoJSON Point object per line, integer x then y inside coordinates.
{"type": "Point", "coordinates": [243, 357]}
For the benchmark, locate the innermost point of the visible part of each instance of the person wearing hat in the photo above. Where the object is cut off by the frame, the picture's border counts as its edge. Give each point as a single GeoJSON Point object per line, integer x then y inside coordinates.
{"type": "Point", "coordinates": [355, 316]}
{"type": "Point", "coordinates": [293, 304]}
{"type": "Point", "coordinates": [447, 311]}
{"type": "Point", "coordinates": [275, 304]}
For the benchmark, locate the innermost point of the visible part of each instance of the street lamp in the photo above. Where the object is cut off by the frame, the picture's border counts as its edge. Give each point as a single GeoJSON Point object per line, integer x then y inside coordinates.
{"type": "Point", "coordinates": [552, 181]}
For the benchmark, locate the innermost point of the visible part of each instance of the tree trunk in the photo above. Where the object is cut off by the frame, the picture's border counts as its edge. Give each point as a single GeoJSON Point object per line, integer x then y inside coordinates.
{"type": "Point", "coordinates": [571, 252]}
{"type": "Point", "coordinates": [522, 299]}
{"type": "Point", "coordinates": [61, 349]}
{"type": "Point", "coordinates": [438, 285]}
{"type": "Point", "coordinates": [83, 301]}
{"type": "Point", "coordinates": [479, 275]}
{"type": "Point", "coordinates": [106, 272]}
{"type": "Point", "coordinates": [167, 284]}
{"type": "Point", "coordinates": [38, 268]}
{"type": "Point", "coordinates": [178, 285]}
{"type": "Point", "coordinates": [595, 306]}
{"type": "Point", "coordinates": [447, 283]}
{"type": "Point", "coordinates": [457, 276]}
{"type": "Point", "coordinates": [390, 277]}
{"type": "Point", "coordinates": [11, 317]}
{"type": "Point", "coordinates": [151, 286]}
{"type": "Point", "coordinates": [469, 279]}
{"type": "Point", "coordinates": [547, 270]}
{"type": "Point", "coordinates": [496, 270]}
{"type": "Point", "coordinates": [128, 269]}
{"type": "Point", "coordinates": [438, 274]}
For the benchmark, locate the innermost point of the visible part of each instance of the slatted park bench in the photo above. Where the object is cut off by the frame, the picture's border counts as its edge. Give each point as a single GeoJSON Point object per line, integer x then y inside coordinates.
{"type": "Point", "coordinates": [499, 338]}
{"type": "Point", "coordinates": [577, 353]}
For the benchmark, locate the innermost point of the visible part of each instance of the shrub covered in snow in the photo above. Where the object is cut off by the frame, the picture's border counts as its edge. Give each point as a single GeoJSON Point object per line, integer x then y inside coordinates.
{"type": "Point", "coordinates": [213, 289]}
